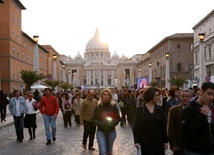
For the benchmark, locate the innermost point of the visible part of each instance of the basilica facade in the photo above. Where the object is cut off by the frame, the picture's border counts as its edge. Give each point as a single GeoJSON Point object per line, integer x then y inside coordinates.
{"type": "Point", "coordinates": [99, 68]}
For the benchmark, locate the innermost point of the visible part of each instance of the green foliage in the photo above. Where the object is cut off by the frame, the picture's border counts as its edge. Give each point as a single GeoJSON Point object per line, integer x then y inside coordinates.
{"type": "Point", "coordinates": [66, 85]}
{"type": "Point", "coordinates": [153, 83]}
{"type": "Point", "coordinates": [177, 81]}
{"type": "Point", "coordinates": [30, 77]}
{"type": "Point", "coordinates": [52, 83]}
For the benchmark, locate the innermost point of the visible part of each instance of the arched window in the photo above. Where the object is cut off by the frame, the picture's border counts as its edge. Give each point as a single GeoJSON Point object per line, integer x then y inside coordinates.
{"type": "Point", "coordinates": [179, 67]}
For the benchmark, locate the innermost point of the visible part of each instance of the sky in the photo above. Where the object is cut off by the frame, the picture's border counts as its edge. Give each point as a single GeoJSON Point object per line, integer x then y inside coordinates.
{"type": "Point", "coordinates": [128, 26]}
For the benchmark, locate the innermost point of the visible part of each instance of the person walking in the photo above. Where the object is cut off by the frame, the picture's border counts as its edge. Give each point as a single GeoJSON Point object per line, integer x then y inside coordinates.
{"type": "Point", "coordinates": [49, 108]}
{"type": "Point", "coordinates": [174, 99]}
{"type": "Point", "coordinates": [77, 106]}
{"type": "Point", "coordinates": [3, 105]}
{"type": "Point", "coordinates": [30, 116]}
{"type": "Point", "coordinates": [149, 128]}
{"type": "Point", "coordinates": [67, 109]}
{"type": "Point", "coordinates": [17, 108]}
{"type": "Point", "coordinates": [86, 114]}
{"type": "Point", "coordinates": [175, 123]}
{"type": "Point", "coordinates": [106, 117]}
{"type": "Point", "coordinates": [198, 123]}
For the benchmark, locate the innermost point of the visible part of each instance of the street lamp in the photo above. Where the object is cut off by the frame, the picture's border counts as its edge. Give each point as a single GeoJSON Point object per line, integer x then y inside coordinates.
{"type": "Point", "coordinates": [69, 71]}
{"type": "Point", "coordinates": [139, 70]}
{"type": "Point", "coordinates": [133, 78]}
{"type": "Point", "coordinates": [127, 79]}
{"type": "Point", "coordinates": [150, 72]}
{"type": "Point", "coordinates": [202, 67]}
{"type": "Point", "coordinates": [167, 84]}
{"type": "Point", "coordinates": [36, 53]}
{"type": "Point", "coordinates": [63, 66]}
{"type": "Point", "coordinates": [54, 57]}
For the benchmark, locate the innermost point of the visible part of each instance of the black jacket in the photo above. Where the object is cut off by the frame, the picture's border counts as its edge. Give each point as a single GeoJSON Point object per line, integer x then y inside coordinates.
{"type": "Point", "coordinates": [197, 133]}
{"type": "Point", "coordinates": [106, 117]}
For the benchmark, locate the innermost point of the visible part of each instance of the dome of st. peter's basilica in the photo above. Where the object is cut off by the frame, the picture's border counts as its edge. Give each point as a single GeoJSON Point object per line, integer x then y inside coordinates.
{"type": "Point", "coordinates": [96, 44]}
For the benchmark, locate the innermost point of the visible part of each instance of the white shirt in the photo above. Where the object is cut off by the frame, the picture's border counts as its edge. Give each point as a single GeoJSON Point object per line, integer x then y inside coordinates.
{"type": "Point", "coordinates": [30, 108]}
{"type": "Point", "coordinates": [17, 107]}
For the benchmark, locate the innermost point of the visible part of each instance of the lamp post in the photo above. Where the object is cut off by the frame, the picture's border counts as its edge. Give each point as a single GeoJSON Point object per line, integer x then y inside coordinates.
{"type": "Point", "coordinates": [133, 78]}
{"type": "Point", "coordinates": [124, 83]}
{"type": "Point", "coordinates": [167, 84]}
{"type": "Point", "coordinates": [127, 79]}
{"type": "Point", "coordinates": [54, 58]}
{"type": "Point", "coordinates": [69, 76]}
{"type": "Point", "coordinates": [36, 54]}
{"type": "Point", "coordinates": [63, 66]}
{"type": "Point", "coordinates": [139, 70]}
{"type": "Point", "coordinates": [150, 72]}
{"type": "Point", "coordinates": [202, 67]}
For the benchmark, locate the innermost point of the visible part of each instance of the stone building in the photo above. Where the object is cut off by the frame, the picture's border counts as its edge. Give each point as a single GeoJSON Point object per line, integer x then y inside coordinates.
{"type": "Point", "coordinates": [99, 69]}
{"type": "Point", "coordinates": [180, 59]}
{"type": "Point", "coordinates": [17, 49]}
{"type": "Point", "coordinates": [206, 27]}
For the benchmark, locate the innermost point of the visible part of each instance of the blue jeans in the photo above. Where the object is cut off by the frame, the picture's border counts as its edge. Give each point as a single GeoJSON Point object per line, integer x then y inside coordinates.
{"type": "Point", "coordinates": [192, 153]}
{"type": "Point", "coordinates": [105, 142]}
{"type": "Point", "coordinates": [19, 125]}
{"type": "Point", "coordinates": [49, 120]}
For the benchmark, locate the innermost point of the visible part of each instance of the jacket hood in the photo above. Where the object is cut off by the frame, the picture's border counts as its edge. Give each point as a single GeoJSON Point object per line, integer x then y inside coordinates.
{"type": "Point", "coordinates": [194, 102]}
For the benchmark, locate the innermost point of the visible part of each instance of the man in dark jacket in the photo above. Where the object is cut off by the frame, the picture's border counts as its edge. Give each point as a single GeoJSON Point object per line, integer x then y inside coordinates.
{"type": "Point", "coordinates": [198, 123]}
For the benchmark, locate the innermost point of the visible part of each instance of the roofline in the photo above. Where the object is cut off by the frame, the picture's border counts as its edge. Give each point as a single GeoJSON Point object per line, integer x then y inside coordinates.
{"type": "Point", "coordinates": [204, 19]}
{"type": "Point", "coordinates": [51, 48]}
{"type": "Point", "coordinates": [31, 40]}
{"type": "Point", "coordinates": [19, 4]}
{"type": "Point", "coordinates": [174, 36]}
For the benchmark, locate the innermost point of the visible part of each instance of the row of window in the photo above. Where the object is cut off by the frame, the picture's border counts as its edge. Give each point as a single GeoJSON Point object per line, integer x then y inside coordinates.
{"type": "Point", "coordinates": [14, 76]}
{"type": "Point", "coordinates": [16, 20]}
{"type": "Point", "coordinates": [28, 60]}
{"type": "Point", "coordinates": [207, 54]}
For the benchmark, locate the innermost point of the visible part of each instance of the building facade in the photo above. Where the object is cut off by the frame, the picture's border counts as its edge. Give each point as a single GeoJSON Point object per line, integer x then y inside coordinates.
{"type": "Point", "coordinates": [17, 49]}
{"type": "Point", "coordinates": [178, 46]}
{"type": "Point", "coordinates": [205, 26]}
{"type": "Point", "coordinates": [99, 69]}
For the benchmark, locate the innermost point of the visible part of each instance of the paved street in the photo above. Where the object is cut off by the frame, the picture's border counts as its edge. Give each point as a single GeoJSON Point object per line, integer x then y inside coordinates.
{"type": "Point", "coordinates": [68, 141]}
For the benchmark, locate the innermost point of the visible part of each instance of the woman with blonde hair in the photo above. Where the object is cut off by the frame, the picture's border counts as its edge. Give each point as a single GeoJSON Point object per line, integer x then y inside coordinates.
{"type": "Point", "coordinates": [106, 117]}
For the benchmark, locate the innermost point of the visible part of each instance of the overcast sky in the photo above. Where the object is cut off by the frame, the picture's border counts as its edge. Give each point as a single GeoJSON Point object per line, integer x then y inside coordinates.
{"type": "Point", "coordinates": [128, 26]}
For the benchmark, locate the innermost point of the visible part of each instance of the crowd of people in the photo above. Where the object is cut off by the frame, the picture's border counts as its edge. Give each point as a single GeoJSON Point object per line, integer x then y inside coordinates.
{"type": "Point", "coordinates": [182, 119]}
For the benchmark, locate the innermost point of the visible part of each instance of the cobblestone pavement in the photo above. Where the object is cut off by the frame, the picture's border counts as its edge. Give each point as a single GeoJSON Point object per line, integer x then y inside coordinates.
{"type": "Point", "coordinates": [69, 141]}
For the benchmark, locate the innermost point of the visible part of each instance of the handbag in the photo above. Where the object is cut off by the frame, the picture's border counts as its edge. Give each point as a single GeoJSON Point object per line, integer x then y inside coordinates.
{"type": "Point", "coordinates": [67, 105]}
{"type": "Point", "coordinates": [35, 105]}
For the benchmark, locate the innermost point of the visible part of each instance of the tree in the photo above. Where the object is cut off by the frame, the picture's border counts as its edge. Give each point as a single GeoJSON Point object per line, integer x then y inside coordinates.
{"type": "Point", "coordinates": [177, 81]}
{"type": "Point", "coordinates": [52, 83]}
{"type": "Point", "coordinates": [153, 83]}
{"type": "Point", "coordinates": [66, 85]}
{"type": "Point", "coordinates": [30, 77]}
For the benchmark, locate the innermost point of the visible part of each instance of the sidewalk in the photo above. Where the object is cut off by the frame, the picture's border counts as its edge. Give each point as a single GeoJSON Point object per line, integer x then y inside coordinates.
{"type": "Point", "coordinates": [9, 120]}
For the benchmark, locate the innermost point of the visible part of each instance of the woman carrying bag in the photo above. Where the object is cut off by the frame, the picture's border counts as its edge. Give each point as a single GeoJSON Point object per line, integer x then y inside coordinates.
{"type": "Point", "coordinates": [30, 117]}
{"type": "Point", "coordinates": [67, 109]}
